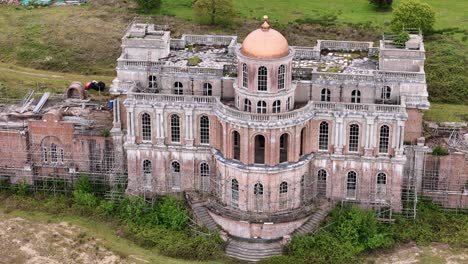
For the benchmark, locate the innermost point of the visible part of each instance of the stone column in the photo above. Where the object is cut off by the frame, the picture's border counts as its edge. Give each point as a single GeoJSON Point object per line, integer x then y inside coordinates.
{"type": "Point", "coordinates": [189, 127]}
{"type": "Point", "coordinates": [131, 125]}
{"type": "Point", "coordinates": [339, 135]}
{"type": "Point", "coordinates": [400, 138]}
{"type": "Point", "coordinates": [369, 149]}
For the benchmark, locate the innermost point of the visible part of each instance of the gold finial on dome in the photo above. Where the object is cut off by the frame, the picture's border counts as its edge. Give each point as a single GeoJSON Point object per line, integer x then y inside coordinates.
{"type": "Point", "coordinates": [265, 25]}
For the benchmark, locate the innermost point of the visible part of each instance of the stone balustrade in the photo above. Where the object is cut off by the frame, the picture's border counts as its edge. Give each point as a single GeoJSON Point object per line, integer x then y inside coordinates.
{"type": "Point", "coordinates": [277, 119]}
{"type": "Point", "coordinates": [416, 101]}
{"type": "Point", "coordinates": [397, 76]}
{"type": "Point", "coordinates": [344, 45]}
{"type": "Point", "coordinates": [177, 44]}
{"type": "Point", "coordinates": [208, 39]}
{"type": "Point", "coordinates": [387, 76]}
{"type": "Point", "coordinates": [306, 53]}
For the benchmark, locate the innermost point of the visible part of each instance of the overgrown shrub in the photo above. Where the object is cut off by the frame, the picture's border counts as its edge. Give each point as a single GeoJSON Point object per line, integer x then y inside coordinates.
{"type": "Point", "coordinates": [440, 151]}
{"type": "Point", "coordinates": [352, 232]}
{"type": "Point", "coordinates": [401, 39]}
{"type": "Point", "coordinates": [83, 184]}
{"type": "Point", "coordinates": [22, 188]}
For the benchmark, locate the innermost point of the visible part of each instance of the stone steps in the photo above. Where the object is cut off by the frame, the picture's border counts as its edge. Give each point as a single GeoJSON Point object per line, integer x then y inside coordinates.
{"type": "Point", "coordinates": [253, 251]}
{"type": "Point", "coordinates": [201, 214]}
{"type": "Point", "coordinates": [312, 223]}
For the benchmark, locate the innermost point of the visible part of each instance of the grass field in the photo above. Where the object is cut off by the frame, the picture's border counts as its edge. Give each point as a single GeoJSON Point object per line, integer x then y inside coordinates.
{"type": "Point", "coordinates": [449, 13]}
{"type": "Point", "coordinates": [446, 113]}
{"type": "Point", "coordinates": [16, 81]}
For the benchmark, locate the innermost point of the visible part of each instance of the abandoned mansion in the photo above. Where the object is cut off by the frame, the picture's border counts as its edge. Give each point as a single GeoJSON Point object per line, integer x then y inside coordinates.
{"type": "Point", "coordinates": [260, 135]}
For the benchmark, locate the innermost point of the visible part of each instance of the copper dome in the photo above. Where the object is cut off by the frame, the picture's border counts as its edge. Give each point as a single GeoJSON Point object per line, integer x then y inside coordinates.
{"type": "Point", "coordinates": [265, 43]}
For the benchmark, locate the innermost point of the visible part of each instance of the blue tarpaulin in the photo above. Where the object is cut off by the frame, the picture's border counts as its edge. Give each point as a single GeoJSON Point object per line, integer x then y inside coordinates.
{"type": "Point", "coordinates": [39, 2]}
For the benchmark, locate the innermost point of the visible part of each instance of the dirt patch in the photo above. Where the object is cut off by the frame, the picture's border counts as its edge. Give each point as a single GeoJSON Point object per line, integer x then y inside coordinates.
{"type": "Point", "coordinates": [24, 241]}
{"type": "Point", "coordinates": [410, 253]}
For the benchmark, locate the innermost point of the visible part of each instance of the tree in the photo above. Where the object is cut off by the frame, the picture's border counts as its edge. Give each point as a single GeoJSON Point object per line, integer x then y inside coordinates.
{"type": "Point", "coordinates": [215, 12]}
{"type": "Point", "coordinates": [146, 6]}
{"type": "Point", "coordinates": [413, 14]}
{"type": "Point", "coordinates": [382, 3]}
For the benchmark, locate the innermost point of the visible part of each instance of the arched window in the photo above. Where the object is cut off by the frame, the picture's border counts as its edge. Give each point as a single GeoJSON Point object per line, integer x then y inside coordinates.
{"type": "Point", "coordinates": [178, 88]}
{"type": "Point", "coordinates": [247, 105]}
{"type": "Point", "coordinates": [303, 138]}
{"type": "Point", "coordinates": [283, 195]}
{"type": "Point", "coordinates": [175, 128]}
{"type": "Point", "coordinates": [147, 169]}
{"type": "Point", "coordinates": [236, 144]}
{"type": "Point", "coordinates": [288, 103]}
{"type": "Point", "coordinates": [53, 153]}
{"type": "Point", "coordinates": [323, 136]}
{"type": "Point", "coordinates": [234, 193]}
{"type": "Point", "coordinates": [355, 96]}
{"type": "Point", "coordinates": [207, 89]}
{"type": "Point", "coordinates": [351, 185]}
{"type": "Point", "coordinates": [353, 138]}
{"type": "Point", "coordinates": [153, 84]}
{"type": "Point", "coordinates": [381, 186]}
{"type": "Point", "coordinates": [283, 149]}
{"type": "Point", "coordinates": [205, 177]}
{"type": "Point", "coordinates": [259, 151]}
{"type": "Point", "coordinates": [261, 107]}
{"type": "Point", "coordinates": [384, 139]}
{"type": "Point", "coordinates": [386, 93]}
{"type": "Point", "coordinates": [276, 106]}
{"type": "Point", "coordinates": [326, 95]}
{"type": "Point", "coordinates": [175, 171]}
{"type": "Point", "coordinates": [245, 75]}
{"type": "Point", "coordinates": [321, 183]}
{"type": "Point", "coordinates": [204, 130]}
{"type": "Point", "coordinates": [145, 127]}
{"type": "Point", "coordinates": [258, 197]}
{"type": "Point", "coordinates": [262, 78]}
{"type": "Point", "coordinates": [281, 76]}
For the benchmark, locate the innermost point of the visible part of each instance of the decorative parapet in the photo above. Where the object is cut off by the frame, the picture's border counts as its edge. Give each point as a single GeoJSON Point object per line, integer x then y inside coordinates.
{"type": "Point", "coordinates": [344, 45]}
{"type": "Point", "coordinates": [375, 76]}
{"type": "Point", "coordinates": [303, 114]}
{"type": "Point", "coordinates": [221, 40]}
{"type": "Point", "coordinates": [306, 53]}
{"type": "Point", "coordinates": [147, 99]}
{"type": "Point", "coordinates": [415, 101]}
{"type": "Point", "coordinates": [400, 76]}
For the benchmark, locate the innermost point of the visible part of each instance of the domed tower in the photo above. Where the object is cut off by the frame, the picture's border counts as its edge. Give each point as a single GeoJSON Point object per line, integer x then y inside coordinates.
{"type": "Point", "coordinates": [264, 84]}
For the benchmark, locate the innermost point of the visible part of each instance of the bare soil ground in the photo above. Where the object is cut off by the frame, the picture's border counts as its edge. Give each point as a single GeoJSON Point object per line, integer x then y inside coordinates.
{"type": "Point", "coordinates": [24, 241]}
{"type": "Point", "coordinates": [410, 253]}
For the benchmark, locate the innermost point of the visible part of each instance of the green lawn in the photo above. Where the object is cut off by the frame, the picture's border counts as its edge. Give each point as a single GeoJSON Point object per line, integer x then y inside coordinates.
{"type": "Point", "coordinates": [449, 13]}
{"type": "Point", "coordinates": [446, 113]}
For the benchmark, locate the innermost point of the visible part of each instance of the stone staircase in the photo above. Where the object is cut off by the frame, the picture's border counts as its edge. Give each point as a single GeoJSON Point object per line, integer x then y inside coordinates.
{"type": "Point", "coordinates": [253, 249]}
{"type": "Point", "coordinates": [312, 223]}
{"type": "Point", "coordinates": [203, 218]}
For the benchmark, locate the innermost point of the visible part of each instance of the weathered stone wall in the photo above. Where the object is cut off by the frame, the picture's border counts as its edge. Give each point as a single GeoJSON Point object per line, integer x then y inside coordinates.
{"type": "Point", "coordinates": [413, 126]}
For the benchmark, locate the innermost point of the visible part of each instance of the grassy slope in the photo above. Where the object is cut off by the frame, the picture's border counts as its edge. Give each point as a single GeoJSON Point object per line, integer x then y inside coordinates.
{"type": "Point", "coordinates": [447, 113]}
{"type": "Point", "coordinates": [80, 39]}
{"type": "Point", "coordinates": [16, 81]}
{"type": "Point", "coordinates": [106, 234]}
